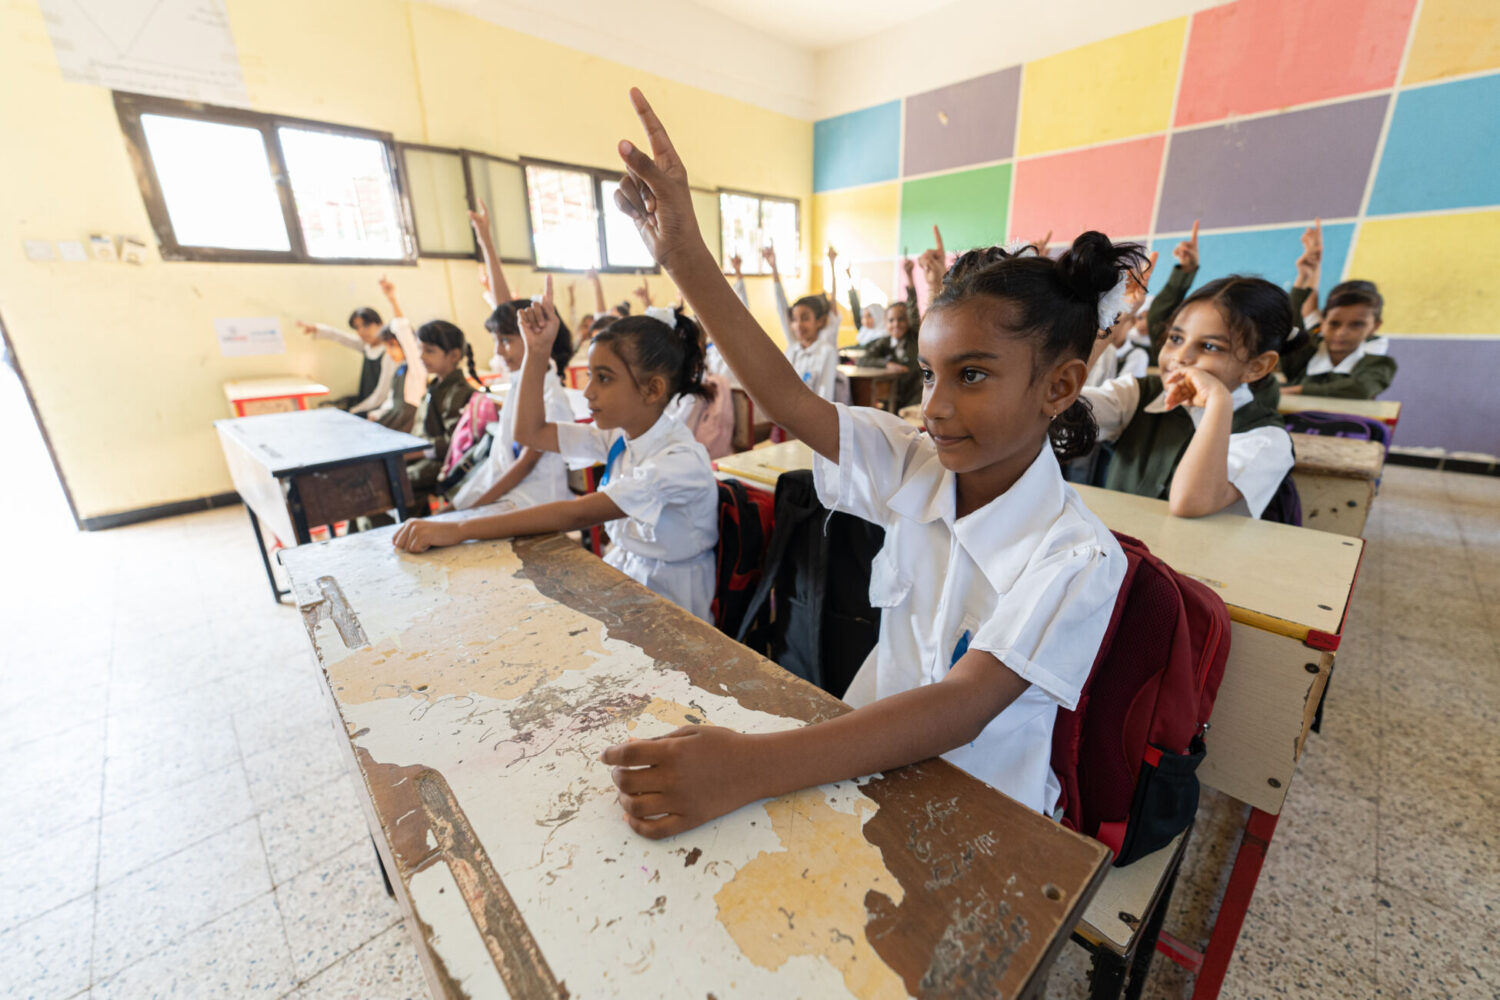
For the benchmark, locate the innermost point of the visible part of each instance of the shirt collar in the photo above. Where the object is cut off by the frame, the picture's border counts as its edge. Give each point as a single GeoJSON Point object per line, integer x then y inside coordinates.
{"type": "Point", "coordinates": [654, 438]}
{"type": "Point", "coordinates": [1000, 536]}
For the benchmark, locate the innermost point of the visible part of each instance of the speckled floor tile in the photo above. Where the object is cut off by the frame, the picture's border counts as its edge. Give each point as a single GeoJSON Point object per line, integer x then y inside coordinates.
{"type": "Point", "coordinates": [48, 958]}
{"type": "Point", "coordinates": [204, 707]}
{"type": "Point", "coordinates": [57, 870]}
{"type": "Point", "coordinates": [172, 819]}
{"type": "Point", "coordinates": [71, 749]}
{"type": "Point", "coordinates": [1269, 964]}
{"type": "Point", "coordinates": [1308, 896]}
{"type": "Point", "coordinates": [1458, 870]}
{"type": "Point", "coordinates": [1334, 822]}
{"type": "Point", "coordinates": [181, 755]}
{"type": "Point", "coordinates": [49, 803]}
{"type": "Point", "coordinates": [264, 725]}
{"type": "Point", "coordinates": [1430, 953]}
{"type": "Point", "coordinates": [311, 756]}
{"type": "Point", "coordinates": [241, 954]}
{"type": "Point", "coordinates": [29, 716]}
{"type": "Point", "coordinates": [385, 969]}
{"type": "Point", "coordinates": [303, 830]}
{"type": "Point", "coordinates": [334, 908]}
{"type": "Point", "coordinates": [148, 910]}
{"type": "Point", "coordinates": [146, 670]}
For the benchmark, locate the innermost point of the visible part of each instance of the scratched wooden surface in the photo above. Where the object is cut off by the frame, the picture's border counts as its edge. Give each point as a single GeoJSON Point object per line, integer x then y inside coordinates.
{"type": "Point", "coordinates": [477, 685]}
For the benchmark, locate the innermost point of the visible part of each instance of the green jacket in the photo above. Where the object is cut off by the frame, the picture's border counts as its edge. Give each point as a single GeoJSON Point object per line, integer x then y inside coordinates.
{"type": "Point", "coordinates": [908, 387]}
{"type": "Point", "coordinates": [436, 420]}
{"type": "Point", "coordinates": [1152, 445]}
{"type": "Point", "coordinates": [1159, 316]}
{"type": "Point", "coordinates": [1371, 375]}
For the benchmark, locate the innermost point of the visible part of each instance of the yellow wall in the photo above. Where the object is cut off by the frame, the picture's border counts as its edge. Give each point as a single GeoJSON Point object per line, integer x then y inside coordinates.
{"type": "Point", "coordinates": [122, 360]}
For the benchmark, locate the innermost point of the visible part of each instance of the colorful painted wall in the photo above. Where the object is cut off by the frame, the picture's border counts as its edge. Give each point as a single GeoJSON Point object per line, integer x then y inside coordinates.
{"type": "Point", "coordinates": [1380, 116]}
{"type": "Point", "coordinates": [122, 360]}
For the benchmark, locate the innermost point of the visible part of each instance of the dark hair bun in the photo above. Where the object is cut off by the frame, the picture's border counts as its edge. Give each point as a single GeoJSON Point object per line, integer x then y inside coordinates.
{"type": "Point", "coordinates": [1093, 265]}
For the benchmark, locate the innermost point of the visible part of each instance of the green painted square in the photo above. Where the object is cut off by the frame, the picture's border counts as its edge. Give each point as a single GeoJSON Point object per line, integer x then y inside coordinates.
{"type": "Point", "coordinates": [968, 205]}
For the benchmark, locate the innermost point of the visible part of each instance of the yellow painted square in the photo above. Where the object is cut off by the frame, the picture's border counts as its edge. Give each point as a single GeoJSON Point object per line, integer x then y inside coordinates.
{"type": "Point", "coordinates": [862, 223]}
{"type": "Point", "coordinates": [1454, 37]}
{"type": "Point", "coordinates": [1437, 272]}
{"type": "Point", "coordinates": [1107, 90]}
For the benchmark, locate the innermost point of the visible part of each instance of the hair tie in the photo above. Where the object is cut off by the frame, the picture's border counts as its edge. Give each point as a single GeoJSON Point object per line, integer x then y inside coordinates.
{"type": "Point", "coordinates": [1112, 303]}
{"type": "Point", "coordinates": [663, 315]}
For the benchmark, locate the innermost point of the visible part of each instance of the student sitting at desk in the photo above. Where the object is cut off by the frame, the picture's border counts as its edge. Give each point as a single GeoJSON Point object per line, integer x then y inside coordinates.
{"type": "Point", "coordinates": [378, 369]}
{"type": "Point", "coordinates": [396, 413]}
{"type": "Point", "coordinates": [898, 348]}
{"type": "Point", "coordinates": [658, 497]}
{"type": "Point", "coordinates": [1339, 353]}
{"type": "Point", "coordinates": [997, 584]}
{"type": "Point", "coordinates": [445, 352]}
{"type": "Point", "coordinates": [823, 309]}
{"type": "Point", "coordinates": [1196, 436]}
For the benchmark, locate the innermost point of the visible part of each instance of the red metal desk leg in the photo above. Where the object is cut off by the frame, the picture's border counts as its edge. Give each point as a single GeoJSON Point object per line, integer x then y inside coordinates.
{"type": "Point", "coordinates": [1237, 896]}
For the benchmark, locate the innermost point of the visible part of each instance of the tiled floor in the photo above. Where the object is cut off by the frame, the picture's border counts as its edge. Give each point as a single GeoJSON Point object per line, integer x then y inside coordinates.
{"type": "Point", "coordinates": [180, 822]}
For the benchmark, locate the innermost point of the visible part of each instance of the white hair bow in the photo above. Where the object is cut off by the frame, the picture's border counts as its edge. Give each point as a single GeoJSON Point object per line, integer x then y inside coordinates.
{"type": "Point", "coordinates": [663, 315]}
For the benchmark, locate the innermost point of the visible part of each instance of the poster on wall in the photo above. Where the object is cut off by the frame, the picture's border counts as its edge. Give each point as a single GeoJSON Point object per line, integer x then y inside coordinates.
{"type": "Point", "coordinates": [243, 337]}
{"type": "Point", "coordinates": [170, 48]}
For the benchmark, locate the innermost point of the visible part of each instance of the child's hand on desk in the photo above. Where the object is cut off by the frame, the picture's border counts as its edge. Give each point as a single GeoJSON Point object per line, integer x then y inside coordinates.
{"type": "Point", "coordinates": [1190, 386]}
{"type": "Point", "coordinates": [419, 535]}
{"type": "Point", "coordinates": [684, 779]}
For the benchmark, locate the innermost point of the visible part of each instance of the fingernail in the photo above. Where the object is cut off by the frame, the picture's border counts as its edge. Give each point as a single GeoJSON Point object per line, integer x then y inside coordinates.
{"type": "Point", "coordinates": [626, 147]}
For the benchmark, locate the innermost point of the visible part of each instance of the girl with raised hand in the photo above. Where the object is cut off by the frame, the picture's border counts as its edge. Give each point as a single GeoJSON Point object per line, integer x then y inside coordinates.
{"type": "Point", "coordinates": [658, 498]}
{"type": "Point", "coordinates": [996, 583]}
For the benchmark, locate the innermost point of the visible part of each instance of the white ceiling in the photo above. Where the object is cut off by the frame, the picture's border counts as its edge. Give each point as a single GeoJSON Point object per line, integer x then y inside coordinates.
{"type": "Point", "coordinates": [821, 24]}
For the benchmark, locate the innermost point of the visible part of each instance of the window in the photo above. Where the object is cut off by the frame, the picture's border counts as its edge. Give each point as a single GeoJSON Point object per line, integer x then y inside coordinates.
{"type": "Point", "coordinates": [501, 185]}
{"type": "Point", "coordinates": [575, 224]}
{"type": "Point", "coordinates": [749, 222]}
{"type": "Point", "coordinates": [441, 192]}
{"type": "Point", "coordinates": [232, 185]}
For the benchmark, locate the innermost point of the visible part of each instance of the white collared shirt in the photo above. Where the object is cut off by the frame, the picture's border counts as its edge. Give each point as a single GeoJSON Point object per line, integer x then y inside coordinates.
{"type": "Point", "coordinates": [1259, 459]}
{"type": "Point", "coordinates": [548, 479]}
{"type": "Point", "coordinates": [664, 482]}
{"type": "Point", "coordinates": [817, 366]}
{"type": "Point", "coordinates": [1031, 578]}
{"type": "Point", "coordinates": [1133, 357]}
{"type": "Point", "coordinates": [1322, 364]}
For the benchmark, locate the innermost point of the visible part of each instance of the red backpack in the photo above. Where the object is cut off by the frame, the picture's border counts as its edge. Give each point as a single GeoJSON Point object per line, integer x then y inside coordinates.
{"type": "Point", "coordinates": [745, 516]}
{"type": "Point", "coordinates": [1127, 755]}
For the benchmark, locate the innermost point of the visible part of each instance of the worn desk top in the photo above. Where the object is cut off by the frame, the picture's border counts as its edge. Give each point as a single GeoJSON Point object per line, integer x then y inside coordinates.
{"type": "Point", "coordinates": [1335, 456]}
{"type": "Point", "coordinates": [1385, 410]}
{"type": "Point", "coordinates": [874, 372]}
{"type": "Point", "coordinates": [306, 440]}
{"type": "Point", "coordinates": [478, 684]}
{"type": "Point", "coordinates": [1284, 579]}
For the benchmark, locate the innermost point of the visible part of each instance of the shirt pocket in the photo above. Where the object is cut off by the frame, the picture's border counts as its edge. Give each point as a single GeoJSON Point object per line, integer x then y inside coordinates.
{"type": "Point", "coordinates": [889, 587]}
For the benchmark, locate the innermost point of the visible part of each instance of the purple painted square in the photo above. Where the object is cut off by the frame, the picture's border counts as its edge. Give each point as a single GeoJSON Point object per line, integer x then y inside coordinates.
{"type": "Point", "coordinates": [1282, 168]}
{"type": "Point", "coordinates": [963, 124]}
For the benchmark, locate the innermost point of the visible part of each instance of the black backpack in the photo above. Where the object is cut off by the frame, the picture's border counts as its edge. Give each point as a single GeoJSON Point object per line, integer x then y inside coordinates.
{"type": "Point", "coordinates": [744, 524]}
{"type": "Point", "coordinates": [818, 564]}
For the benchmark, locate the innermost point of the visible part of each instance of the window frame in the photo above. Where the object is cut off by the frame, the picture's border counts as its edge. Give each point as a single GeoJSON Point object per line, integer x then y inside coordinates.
{"type": "Point", "coordinates": [525, 196]}
{"type": "Point", "coordinates": [411, 209]}
{"type": "Point", "coordinates": [598, 176]}
{"type": "Point", "coordinates": [130, 107]}
{"type": "Point", "coordinates": [761, 199]}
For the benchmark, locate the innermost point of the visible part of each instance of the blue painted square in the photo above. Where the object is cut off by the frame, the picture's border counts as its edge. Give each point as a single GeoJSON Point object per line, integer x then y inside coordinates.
{"type": "Point", "coordinates": [862, 147]}
{"type": "Point", "coordinates": [1441, 150]}
{"type": "Point", "coordinates": [1268, 253]}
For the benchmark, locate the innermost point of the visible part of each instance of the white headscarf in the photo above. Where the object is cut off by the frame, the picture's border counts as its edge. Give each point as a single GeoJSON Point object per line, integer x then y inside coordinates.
{"type": "Point", "coordinates": [869, 333]}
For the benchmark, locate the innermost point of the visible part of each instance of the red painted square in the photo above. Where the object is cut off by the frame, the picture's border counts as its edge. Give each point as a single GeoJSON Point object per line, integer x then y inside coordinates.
{"type": "Point", "coordinates": [1262, 55]}
{"type": "Point", "coordinates": [1108, 188]}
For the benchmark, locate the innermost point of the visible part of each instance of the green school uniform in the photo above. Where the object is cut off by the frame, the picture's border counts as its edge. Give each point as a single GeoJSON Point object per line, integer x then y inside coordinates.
{"type": "Point", "coordinates": [908, 387]}
{"type": "Point", "coordinates": [1152, 445]}
{"type": "Point", "coordinates": [435, 420]}
{"type": "Point", "coordinates": [1369, 377]}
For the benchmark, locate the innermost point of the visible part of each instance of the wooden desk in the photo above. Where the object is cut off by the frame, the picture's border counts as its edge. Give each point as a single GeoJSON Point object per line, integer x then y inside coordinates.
{"type": "Point", "coordinates": [871, 386]}
{"type": "Point", "coordinates": [310, 467]}
{"type": "Point", "coordinates": [1386, 411]}
{"type": "Point", "coordinates": [764, 466]}
{"type": "Point", "coordinates": [477, 685]}
{"type": "Point", "coordinates": [1336, 480]}
{"type": "Point", "coordinates": [748, 429]}
{"type": "Point", "coordinates": [250, 397]}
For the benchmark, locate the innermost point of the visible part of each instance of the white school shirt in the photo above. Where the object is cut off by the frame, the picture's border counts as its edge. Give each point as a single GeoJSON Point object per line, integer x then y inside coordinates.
{"type": "Point", "coordinates": [1104, 368]}
{"type": "Point", "coordinates": [828, 335]}
{"type": "Point", "coordinates": [665, 484]}
{"type": "Point", "coordinates": [816, 366]}
{"type": "Point", "coordinates": [1132, 357]}
{"type": "Point", "coordinates": [1031, 578]}
{"type": "Point", "coordinates": [1259, 459]}
{"type": "Point", "coordinates": [415, 386]}
{"type": "Point", "coordinates": [548, 479]}
{"type": "Point", "coordinates": [1322, 364]}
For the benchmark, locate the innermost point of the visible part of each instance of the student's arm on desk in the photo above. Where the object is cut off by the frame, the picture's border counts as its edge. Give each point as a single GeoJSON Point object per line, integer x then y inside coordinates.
{"type": "Point", "coordinates": [697, 773]}
{"type": "Point", "coordinates": [655, 195]}
{"type": "Point", "coordinates": [420, 534]}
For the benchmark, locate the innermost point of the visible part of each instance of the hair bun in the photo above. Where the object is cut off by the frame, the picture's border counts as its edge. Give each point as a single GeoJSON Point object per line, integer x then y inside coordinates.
{"type": "Point", "coordinates": [1093, 265]}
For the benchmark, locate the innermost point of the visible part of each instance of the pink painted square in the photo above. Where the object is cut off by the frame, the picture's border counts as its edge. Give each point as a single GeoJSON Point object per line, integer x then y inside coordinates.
{"type": "Point", "coordinates": [1264, 55]}
{"type": "Point", "coordinates": [1109, 188]}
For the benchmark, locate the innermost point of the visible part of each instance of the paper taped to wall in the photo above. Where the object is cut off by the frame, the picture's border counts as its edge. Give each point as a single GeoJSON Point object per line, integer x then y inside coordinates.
{"type": "Point", "coordinates": [172, 48]}
{"type": "Point", "coordinates": [242, 337]}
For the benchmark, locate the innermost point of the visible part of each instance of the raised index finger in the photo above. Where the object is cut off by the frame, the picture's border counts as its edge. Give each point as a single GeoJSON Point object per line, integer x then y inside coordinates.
{"type": "Point", "coordinates": [1194, 238]}
{"type": "Point", "coordinates": [661, 143]}
{"type": "Point", "coordinates": [938, 239]}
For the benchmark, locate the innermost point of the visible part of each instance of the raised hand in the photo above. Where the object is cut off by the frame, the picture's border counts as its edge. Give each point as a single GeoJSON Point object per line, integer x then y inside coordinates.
{"type": "Point", "coordinates": [387, 287]}
{"type": "Point", "coordinates": [480, 220]}
{"type": "Point", "coordinates": [1310, 263]}
{"type": "Point", "coordinates": [1186, 252]}
{"type": "Point", "coordinates": [539, 324]}
{"type": "Point", "coordinates": [833, 255]}
{"type": "Point", "coordinates": [937, 243]}
{"type": "Point", "coordinates": [736, 262]}
{"type": "Point", "coordinates": [306, 327]}
{"type": "Point", "coordinates": [1043, 244]}
{"type": "Point", "coordinates": [768, 254]}
{"type": "Point", "coordinates": [909, 266]}
{"type": "Point", "coordinates": [644, 294]}
{"type": "Point", "coordinates": [654, 193]}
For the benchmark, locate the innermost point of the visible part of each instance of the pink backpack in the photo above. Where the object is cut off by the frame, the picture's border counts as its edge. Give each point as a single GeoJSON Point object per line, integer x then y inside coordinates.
{"type": "Point", "coordinates": [479, 412]}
